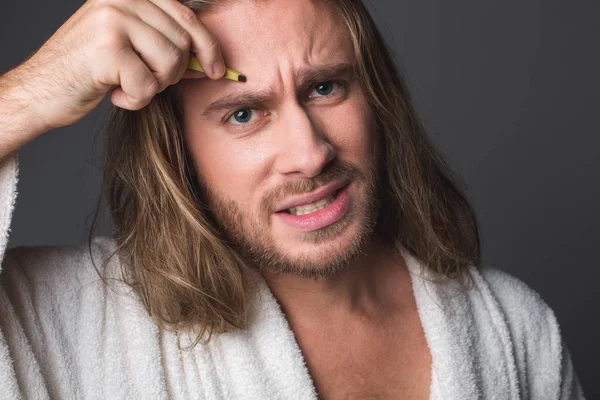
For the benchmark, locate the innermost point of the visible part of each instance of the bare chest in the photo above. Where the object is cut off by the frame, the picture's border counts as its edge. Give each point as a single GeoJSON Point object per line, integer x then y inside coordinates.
{"type": "Point", "coordinates": [391, 364]}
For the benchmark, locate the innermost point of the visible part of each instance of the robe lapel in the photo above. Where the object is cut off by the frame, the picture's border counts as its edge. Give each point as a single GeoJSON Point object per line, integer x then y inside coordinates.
{"type": "Point", "coordinates": [468, 338]}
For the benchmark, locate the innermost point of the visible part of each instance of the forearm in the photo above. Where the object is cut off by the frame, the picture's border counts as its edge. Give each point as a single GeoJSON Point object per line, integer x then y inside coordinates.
{"type": "Point", "coordinates": [19, 121]}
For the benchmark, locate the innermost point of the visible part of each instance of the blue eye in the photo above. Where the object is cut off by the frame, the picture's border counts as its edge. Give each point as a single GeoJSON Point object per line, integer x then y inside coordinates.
{"type": "Point", "coordinates": [324, 88]}
{"type": "Point", "coordinates": [242, 116]}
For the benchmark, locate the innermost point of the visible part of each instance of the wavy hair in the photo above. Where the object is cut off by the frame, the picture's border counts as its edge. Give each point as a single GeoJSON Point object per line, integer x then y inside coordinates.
{"type": "Point", "coordinates": [187, 275]}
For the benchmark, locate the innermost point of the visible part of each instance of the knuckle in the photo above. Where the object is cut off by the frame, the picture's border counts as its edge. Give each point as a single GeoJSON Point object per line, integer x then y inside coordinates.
{"type": "Point", "coordinates": [106, 15]}
{"type": "Point", "coordinates": [109, 40]}
{"type": "Point", "coordinates": [174, 58]}
{"type": "Point", "coordinates": [175, 74]}
{"type": "Point", "coordinates": [101, 3]}
{"type": "Point", "coordinates": [187, 14]}
{"type": "Point", "coordinates": [185, 38]}
{"type": "Point", "coordinates": [152, 86]}
{"type": "Point", "coordinates": [173, 51]}
{"type": "Point", "coordinates": [165, 78]}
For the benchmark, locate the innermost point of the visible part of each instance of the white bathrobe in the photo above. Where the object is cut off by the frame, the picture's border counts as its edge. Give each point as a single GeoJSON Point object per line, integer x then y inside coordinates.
{"type": "Point", "coordinates": [65, 335]}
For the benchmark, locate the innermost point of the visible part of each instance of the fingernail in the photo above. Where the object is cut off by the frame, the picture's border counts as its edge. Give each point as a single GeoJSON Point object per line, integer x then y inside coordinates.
{"type": "Point", "coordinates": [218, 68]}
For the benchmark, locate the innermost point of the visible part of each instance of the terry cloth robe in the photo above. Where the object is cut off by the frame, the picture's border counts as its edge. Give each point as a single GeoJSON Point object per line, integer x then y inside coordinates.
{"type": "Point", "coordinates": [65, 335]}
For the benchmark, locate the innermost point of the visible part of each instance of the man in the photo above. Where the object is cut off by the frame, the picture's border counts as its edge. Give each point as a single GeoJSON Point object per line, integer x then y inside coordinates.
{"type": "Point", "coordinates": [293, 236]}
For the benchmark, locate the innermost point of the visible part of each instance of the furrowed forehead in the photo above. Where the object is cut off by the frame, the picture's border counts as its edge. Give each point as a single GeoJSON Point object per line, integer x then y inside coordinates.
{"type": "Point", "coordinates": [304, 77]}
{"type": "Point", "coordinates": [274, 44]}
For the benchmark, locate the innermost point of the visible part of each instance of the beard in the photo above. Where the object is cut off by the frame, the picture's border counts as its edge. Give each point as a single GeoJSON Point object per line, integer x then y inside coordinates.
{"type": "Point", "coordinates": [251, 237]}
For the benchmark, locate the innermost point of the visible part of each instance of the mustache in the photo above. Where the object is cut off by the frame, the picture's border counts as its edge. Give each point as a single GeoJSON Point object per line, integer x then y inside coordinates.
{"type": "Point", "coordinates": [332, 173]}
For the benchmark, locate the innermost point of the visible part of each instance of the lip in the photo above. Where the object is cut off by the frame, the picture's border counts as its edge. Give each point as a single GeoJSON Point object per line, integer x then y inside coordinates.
{"type": "Point", "coordinates": [318, 194]}
{"type": "Point", "coordinates": [321, 218]}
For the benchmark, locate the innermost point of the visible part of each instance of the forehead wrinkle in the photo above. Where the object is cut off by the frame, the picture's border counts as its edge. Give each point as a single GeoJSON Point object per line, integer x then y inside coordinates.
{"type": "Point", "coordinates": [303, 77]}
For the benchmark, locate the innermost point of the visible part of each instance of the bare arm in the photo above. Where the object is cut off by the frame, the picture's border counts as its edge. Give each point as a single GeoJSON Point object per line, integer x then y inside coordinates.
{"type": "Point", "coordinates": [19, 122]}
{"type": "Point", "coordinates": [133, 49]}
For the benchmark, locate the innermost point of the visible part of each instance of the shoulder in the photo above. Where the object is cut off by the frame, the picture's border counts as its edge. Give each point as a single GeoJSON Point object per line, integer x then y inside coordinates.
{"type": "Point", "coordinates": [67, 286]}
{"type": "Point", "coordinates": [542, 359]}
{"type": "Point", "coordinates": [48, 263]}
{"type": "Point", "coordinates": [63, 312]}
{"type": "Point", "coordinates": [521, 305]}
{"type": "Point", "coordinates": [43, 275]}
{"type": "Point", "coordinates": [530, 320]}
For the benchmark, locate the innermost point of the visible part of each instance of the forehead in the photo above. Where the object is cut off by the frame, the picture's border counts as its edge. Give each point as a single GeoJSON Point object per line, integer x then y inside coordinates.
{"type": "Point", "coordinates": [265, 39]}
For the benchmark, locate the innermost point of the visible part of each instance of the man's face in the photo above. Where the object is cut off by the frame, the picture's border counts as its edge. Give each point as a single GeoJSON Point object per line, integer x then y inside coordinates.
{"type": "Point", "coordinates": [299, 125]}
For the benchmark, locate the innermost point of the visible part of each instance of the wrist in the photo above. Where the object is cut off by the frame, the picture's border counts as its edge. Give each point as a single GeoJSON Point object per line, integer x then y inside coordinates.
{"type": "Point", "coordinates": [20, 121]}
{"type": "Point", "coordinates": [19, 105]}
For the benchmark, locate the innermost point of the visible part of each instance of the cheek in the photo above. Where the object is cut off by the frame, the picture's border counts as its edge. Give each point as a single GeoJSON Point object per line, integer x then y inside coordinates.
{"type": "Point", "coordinates": [231, 167]}
{"type": "Point", "coordinates": [351, 128]}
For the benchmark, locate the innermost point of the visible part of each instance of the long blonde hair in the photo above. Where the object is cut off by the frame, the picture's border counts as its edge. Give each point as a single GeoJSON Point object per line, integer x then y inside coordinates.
{"type": "Point", "coordinates": [188, 277]}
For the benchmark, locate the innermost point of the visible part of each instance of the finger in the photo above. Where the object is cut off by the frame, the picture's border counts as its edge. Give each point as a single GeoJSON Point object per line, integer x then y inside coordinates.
{"type": "Point", "coordinates": [166, 61]}
{"type": "Point", "coordinates": [138, 85]}
{"type": "Point", "coordinates": [157, 18]}
{"type": "Point", "coordinates": [204, 44]}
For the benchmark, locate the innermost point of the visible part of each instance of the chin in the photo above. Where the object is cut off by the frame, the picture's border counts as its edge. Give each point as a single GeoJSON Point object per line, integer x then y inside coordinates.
{"type": "Point", "coordinates": [323, 252]}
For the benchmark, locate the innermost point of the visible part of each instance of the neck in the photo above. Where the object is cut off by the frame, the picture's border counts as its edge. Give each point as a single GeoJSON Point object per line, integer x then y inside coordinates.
{"type": "Point", "coordinates": [373, 287]}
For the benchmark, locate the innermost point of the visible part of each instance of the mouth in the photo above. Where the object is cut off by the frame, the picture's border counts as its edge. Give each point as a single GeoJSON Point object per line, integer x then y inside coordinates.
{"type": "Point", "coordinates": [317, 198]}
{"type": "Point", "coordinates": [318, 214]}
{"type": "Point", "coordinates": [310, 208]}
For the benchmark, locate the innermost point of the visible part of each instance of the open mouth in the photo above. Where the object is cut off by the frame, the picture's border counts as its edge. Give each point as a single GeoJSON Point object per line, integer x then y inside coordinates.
{"type": "Point", "coordinates": [319, 214]}
{"type": "Point", "coordinates": [315, 206]}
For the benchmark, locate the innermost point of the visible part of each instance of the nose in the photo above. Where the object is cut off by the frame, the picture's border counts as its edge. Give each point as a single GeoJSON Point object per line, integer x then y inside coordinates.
{"type": "Point", "coordinates": [304, 150]}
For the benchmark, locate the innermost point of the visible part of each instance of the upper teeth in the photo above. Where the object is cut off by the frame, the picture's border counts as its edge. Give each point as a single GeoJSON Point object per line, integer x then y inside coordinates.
{"type": "Point", "coordinates": [312, 207]}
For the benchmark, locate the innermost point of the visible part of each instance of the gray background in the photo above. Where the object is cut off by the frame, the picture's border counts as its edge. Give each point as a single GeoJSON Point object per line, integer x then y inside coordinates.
{"type": "Point", "coordinates": [508, 90]}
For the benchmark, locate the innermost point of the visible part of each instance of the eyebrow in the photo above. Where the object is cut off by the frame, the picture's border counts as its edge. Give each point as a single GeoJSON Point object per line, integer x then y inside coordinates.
{"type": "Point", "coordinates": [255, 98]}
